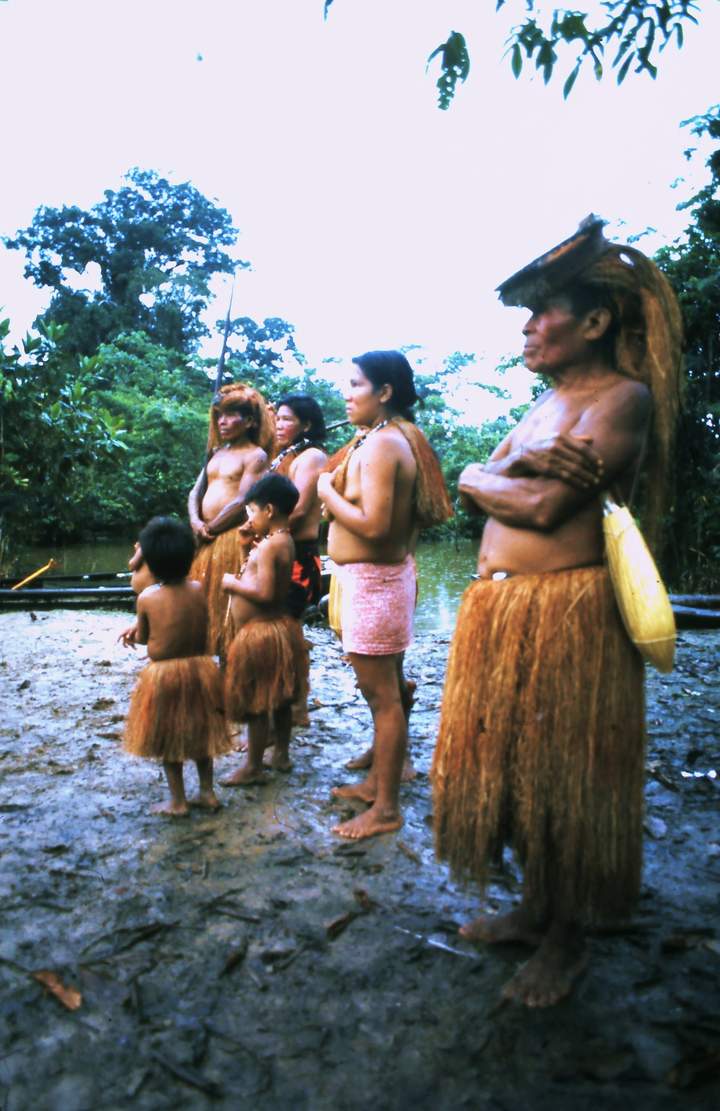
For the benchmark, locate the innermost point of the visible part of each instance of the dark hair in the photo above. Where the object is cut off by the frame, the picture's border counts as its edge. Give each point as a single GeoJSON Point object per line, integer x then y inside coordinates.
{"type": "Point", "coordinates": [307, 411]}
{"type": "Point", "coordinates": [391, 368]}
{"type": "Point", "coordinates": [168, 548]}
{"type": "Point", "coordinates": [274, 489]}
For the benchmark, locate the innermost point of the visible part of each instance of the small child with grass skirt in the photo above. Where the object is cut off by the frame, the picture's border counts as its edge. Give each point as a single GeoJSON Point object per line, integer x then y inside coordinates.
{"type": "Point", "coordinates": [176, 710]}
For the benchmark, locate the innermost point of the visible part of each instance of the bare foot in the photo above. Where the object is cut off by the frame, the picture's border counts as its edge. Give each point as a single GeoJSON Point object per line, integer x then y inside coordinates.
{"type": "Point", "coordinates": [244, 777]}
{"type": "Point", "coordinates": [206, 800]}
{"type": "Point", "coordinates": [370, 824]}
{"type": "Point", "coordinates": [171, 809]}
{"type": "Point", "coordinates": [280, 761]}
{"type": "Point", "coordinates": [359, 763]}
{"type": "Point", "coordinates": [550, 974]}
{"type": "Point", "coordinates": [365, 792]}
{"type": "Point", "coordinates": [494, 929]}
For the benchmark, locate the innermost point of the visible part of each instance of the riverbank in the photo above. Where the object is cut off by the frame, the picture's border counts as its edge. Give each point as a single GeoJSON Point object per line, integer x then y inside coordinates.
{"type": "Point", "coordinates": [250, 959]}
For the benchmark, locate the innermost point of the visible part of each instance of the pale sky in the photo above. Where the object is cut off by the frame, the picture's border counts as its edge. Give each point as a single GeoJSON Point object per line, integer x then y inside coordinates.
{"type": "Point", "coordinates": [371, 218]}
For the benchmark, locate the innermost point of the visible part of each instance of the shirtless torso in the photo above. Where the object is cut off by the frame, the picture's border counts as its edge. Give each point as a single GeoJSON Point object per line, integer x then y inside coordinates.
{"type": "Point", "coordinates": [261, 589]}
{"type": "Point", "coordinates": [304, 471]}
{"type": "Point", "coordinates": [600, 425]}
{"type": "Point", "coordinates": [172, 620]}
{"type": "Point", "coordinates": [377, 525]}
{"type": "Point", "coordinates": [231, 472]}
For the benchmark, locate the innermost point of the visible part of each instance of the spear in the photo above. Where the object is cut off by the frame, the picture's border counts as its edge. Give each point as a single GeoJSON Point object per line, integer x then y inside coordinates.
{"type": "Point", "coordinates": [218, 383]}
{"type": "Point", "coordinates": [223, 350]}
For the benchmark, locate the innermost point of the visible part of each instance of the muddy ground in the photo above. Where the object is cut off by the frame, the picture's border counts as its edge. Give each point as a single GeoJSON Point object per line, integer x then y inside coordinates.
{"type": "Point", "coordinates": [249, 959]}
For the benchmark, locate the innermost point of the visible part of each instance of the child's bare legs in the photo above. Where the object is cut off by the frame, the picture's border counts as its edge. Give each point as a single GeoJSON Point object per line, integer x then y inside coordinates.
{"type": "Point", "coordinates": [206, 796]}
{"type": "Point", "coordinates": [258, 740]}
{"type": "Point", "coordinates": [177, 807]}
{"type": "Point", "coordinates": [283, 730]}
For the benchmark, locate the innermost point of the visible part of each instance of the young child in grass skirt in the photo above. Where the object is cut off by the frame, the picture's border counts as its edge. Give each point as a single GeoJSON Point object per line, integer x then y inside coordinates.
{"type": "Point", "coordinates": [267, 664]}
{"type": "Point", "coordinates": [176, 710]}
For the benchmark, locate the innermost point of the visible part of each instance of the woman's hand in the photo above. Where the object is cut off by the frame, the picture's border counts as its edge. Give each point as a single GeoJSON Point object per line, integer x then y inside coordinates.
{"type": "Point", "coordinates": [325, 484]}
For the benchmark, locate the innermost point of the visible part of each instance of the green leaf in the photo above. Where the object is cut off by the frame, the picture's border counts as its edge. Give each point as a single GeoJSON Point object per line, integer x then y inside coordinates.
{"type": "Point", "coordinates": [567, 87]}
{"type": "Point", "coordinates": [516, 61]}
{"type": "Point", "coordinates": [622, 72]}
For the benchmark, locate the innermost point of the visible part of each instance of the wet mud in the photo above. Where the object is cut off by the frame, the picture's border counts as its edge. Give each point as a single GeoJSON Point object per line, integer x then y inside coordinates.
{"type": "Point", "coordinates": [250, 959]}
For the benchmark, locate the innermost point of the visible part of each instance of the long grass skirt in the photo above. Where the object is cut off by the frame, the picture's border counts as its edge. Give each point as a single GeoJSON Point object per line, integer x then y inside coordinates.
{"type": "Point", "coordinates": [542, 741]}
{"type": "Point", "coordinates": [228, 552]}
{"type": "Point", "coordinates": [267, 667]}
{"type": "Point", "coordinates": [176, 711]}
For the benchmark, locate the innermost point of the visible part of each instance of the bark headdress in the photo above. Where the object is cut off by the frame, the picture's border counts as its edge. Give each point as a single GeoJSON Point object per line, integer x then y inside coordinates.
{"type": "Point", "coordinates": [646, 330]}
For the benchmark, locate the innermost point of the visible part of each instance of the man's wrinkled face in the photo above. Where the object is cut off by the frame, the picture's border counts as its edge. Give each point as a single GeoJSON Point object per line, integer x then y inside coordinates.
{"type": "Point", "coordinates": [554, 338]}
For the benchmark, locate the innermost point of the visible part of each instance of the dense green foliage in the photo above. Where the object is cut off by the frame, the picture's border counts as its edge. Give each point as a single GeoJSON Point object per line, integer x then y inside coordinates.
{"type": "Point", "coordinates": [93, 444]}
{"type": "Point", "coordinates": [693, 266]}
{"type": "Point", "coordinates": [57, 438]}
{"type": "Point", "coordinates": [152, 246]}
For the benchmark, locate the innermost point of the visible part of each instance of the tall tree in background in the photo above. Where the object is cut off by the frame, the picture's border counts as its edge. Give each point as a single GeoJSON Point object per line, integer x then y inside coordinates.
{"type": "Point", "coordinates": [147, 251]}
{"type": "Point", "coordinates": [692, 265]}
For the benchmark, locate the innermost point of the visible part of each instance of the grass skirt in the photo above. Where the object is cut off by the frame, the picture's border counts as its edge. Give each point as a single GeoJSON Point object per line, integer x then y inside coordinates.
{"type": "Point", "coordinates": [542, 742]}
{"type": "Point", "coordinates": [176, 711]}
{"type": "Point", "coordinates": [267, 667]}
{"type": "Point", "coordinates": [228, 552]}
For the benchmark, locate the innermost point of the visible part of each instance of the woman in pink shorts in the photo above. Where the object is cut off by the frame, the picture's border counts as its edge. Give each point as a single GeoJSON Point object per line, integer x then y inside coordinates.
{"type": "Point", "coordinates": [386, 487]}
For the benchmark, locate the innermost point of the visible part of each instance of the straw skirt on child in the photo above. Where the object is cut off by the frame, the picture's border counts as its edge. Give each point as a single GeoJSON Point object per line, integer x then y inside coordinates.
{"type": "Point", "coordinates": [266, 668]}
{"type": "Point", "coordinates": [176, 711]}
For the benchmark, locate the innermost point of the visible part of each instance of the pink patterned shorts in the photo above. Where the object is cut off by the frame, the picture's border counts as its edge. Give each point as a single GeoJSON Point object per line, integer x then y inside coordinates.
{"type": "Point", "coordinates": [377, 606]}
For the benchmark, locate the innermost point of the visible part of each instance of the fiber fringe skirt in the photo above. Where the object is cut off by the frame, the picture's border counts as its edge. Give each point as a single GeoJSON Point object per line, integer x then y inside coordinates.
{"type": "Point", "coordinates": [267, 667]}
{"type": "Point", "coordinates": [542, 742]}
{"type": "Point", "coordinates": [176, 711]}
{"type": "Point", "coordinates": [228, 552]}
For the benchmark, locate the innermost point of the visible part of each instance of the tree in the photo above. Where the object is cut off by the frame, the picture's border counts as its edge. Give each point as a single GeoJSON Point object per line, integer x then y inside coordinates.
{"type": "Point", "coordinates": [692, 264]}
{"type": "Point", "coordinates": [638, 30]}
{"type": "Point", "coordinates": [153, 248]}
{"type": "Point", "coordinates": [55, 434]}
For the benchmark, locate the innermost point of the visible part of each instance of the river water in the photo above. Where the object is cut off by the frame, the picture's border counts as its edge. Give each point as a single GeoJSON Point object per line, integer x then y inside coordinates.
{"type": "Point", "coordinates": [444, 572]}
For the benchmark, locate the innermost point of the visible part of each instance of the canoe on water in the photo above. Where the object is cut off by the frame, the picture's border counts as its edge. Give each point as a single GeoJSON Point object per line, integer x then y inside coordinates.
{"type": "Point", "coordinates": [111, 590]}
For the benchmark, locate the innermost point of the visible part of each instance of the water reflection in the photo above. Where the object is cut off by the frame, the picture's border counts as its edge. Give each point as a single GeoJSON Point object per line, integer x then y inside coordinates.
{"type": "Point", "coordinates": [444, 572]}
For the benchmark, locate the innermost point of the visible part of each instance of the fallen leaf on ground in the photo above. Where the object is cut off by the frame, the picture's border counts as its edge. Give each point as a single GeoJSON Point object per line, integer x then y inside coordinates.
{"type": "Point", "coordinates": [234, 958]}
{"type": "Point", "coordinates": [69, 997]}
{"type": "Point", "coordinates": [408, 852]}
{"type": "Point", "coordinates": [363, 899]}
{"type": "Point", "coordinates": [338, 925]}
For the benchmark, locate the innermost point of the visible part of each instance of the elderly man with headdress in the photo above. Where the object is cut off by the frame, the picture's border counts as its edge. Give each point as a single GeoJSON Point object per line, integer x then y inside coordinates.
{"type": "Point", "coordinates": [386, 487]}
{"type": "Point", "coordinates": [239, 440]}
{"type": "Point", "coordinates": [542, 738]}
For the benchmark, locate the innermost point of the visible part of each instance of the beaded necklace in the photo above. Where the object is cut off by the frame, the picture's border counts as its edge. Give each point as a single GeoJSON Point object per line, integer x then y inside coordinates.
{"type": "Point", "coordinates": [294, 449]}
{"type": "Point", "coordinates": [363, 437]}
